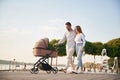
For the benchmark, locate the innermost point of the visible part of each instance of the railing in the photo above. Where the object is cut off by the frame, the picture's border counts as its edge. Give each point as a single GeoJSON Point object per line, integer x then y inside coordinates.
{"type": "Point", "coordinates": [12, 67]}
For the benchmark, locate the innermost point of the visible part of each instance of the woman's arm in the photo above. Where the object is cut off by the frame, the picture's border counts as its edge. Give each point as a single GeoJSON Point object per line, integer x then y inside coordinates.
{"type": "Point", "coordinates": [83, 40]}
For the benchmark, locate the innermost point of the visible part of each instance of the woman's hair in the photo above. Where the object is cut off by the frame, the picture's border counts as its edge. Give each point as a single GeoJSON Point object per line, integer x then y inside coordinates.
{"type": "Point", "coordinates": [79, 29]}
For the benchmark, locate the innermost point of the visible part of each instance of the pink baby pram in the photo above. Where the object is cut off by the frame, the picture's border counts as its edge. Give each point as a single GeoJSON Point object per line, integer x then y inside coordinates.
{"type": "Point", "coordinates": [41, 50]}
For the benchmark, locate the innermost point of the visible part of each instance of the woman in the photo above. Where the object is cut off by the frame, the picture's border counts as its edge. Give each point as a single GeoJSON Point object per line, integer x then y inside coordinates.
{"type": "Point", "coordinates": [80, 44]}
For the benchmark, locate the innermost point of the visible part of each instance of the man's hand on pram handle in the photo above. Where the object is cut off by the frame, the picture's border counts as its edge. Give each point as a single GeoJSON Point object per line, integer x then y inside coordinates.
{"type": "Point", "coordinates": [56, 45]}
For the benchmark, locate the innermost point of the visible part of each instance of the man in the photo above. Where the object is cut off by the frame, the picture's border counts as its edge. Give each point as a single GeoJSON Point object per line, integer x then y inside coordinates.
{"type": "Point", "coordinates": [69, 36]}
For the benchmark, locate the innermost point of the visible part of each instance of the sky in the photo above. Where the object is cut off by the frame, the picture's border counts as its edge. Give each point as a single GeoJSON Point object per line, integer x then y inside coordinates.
{"type": "Point", "coordinates": [23, 22]}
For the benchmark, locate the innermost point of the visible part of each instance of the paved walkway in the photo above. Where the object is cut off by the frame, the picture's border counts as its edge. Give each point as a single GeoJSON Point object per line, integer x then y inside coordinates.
{"type": "Point", "coordinates": [59, 76]}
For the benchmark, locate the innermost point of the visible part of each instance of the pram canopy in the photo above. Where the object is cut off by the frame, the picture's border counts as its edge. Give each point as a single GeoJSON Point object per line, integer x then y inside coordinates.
{"type": "Point", "coordinates": [42, 43]}
{"type": "Point", "coordinates": [40, 48]}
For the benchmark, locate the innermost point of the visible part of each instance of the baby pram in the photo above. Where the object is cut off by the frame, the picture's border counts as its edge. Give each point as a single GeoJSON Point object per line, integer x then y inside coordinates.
{"type": "Point", "coordinates": [40, 50]}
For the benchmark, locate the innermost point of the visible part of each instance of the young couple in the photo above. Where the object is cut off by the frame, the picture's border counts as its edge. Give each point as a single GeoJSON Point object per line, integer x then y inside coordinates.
{"type": "Point", "coordinates": [75, 41]}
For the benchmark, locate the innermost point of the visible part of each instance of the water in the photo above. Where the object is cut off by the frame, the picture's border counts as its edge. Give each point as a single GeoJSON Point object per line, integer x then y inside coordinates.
{"type": "Point", "coordinates": [13, 67]}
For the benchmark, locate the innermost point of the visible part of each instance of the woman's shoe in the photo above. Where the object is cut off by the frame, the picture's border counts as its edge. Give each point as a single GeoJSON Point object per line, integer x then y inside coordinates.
{"type": "Point", "coordinates": [80, 70]}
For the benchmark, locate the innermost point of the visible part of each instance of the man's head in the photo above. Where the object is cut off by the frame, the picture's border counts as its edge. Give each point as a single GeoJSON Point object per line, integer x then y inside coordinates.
{"type": "Point", "coordinates": [68, 26]}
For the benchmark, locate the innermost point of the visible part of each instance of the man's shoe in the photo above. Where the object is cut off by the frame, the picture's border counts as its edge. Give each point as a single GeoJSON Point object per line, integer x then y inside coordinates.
{"type": "Point", "coordinates": [64, 70]}
{"type": "Point", "coordinates": [74, 72]}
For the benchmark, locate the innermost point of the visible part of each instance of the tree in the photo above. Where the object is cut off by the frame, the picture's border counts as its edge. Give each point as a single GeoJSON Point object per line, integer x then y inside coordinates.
{"type": "Point", "coordinates": [94, 49]}
{"type": "Point", "coordinates": [98, 46]}
{"type": "Point", "coordinates": [51, 44]}
{"type": "Point", "coordinates": [89, 48]}
{"type": "Point", "coordinates": [61, 48]}
{"type": "Point", "coordinates": [113, 47]}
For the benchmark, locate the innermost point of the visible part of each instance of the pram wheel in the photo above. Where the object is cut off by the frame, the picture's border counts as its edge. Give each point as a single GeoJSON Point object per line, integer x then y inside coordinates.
{"type": "Point", "coordinates": [34, 70]}
{"type": "Point", "coordinates": [48, 72]}
{"type": "Point", "coordinates": [55, 70]}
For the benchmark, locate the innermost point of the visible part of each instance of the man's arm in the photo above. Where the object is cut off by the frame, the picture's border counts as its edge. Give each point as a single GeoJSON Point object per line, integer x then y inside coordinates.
{"type": "Point", "coordinates": [62, 40]}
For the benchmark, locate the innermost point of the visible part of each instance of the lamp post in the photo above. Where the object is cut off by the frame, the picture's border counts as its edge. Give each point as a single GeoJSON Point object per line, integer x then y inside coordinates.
{"type": "Point", "coordinates": [14, 65]}
{"type": "Point", "coordinates": [10, 65]}
{"type": "Point", "coordinates": [115, 66]}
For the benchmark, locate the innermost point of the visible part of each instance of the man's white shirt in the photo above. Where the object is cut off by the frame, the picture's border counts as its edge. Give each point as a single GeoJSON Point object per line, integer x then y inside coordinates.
{"type": "Point", "coordinates": [70, 38]}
